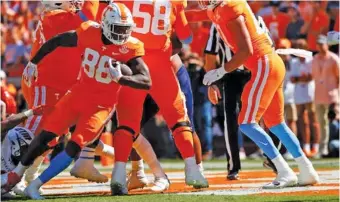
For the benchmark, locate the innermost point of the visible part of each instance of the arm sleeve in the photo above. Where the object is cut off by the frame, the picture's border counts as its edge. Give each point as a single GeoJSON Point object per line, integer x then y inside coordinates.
{"type": "Point", "coordinates": [196, 15]}
{"type": "Point", "coordinates": [212, 46]}
{"type": "Point", "coordinates": [182, 27]}
{"type": "Point", "coordinates": [89, 10]}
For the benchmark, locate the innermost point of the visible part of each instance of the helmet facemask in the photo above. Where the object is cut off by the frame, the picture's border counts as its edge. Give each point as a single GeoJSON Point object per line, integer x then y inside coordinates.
{"type": "Point", "coordinates": [117, 27]}
{"type": "Point", "coordinates": [208, 4]}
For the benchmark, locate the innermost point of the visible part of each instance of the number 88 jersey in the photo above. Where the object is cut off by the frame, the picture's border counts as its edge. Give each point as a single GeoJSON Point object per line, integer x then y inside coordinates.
{"type": "Point", "coordinates": [155, 20]}
{"type": "Point", "coordinates": [230, 10]}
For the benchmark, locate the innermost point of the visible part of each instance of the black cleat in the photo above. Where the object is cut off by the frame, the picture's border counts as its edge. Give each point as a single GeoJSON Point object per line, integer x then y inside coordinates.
{"type": "Point", "coordinates": [233, 175]}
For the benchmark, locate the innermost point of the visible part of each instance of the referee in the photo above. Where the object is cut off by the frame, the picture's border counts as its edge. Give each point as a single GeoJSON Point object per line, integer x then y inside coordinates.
{"type": "Point", "coordinates": [217, 53]}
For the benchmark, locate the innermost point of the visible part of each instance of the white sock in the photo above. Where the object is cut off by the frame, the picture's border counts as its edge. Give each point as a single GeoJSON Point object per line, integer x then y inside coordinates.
{"type": "Point", "coordinates": [33, 170]}
{"type": "Point", "coordinates": [302, 161]}
{"type": "Point", "coordinates": [316, 147]}
{"type": "Point", "coordinates": [200, 167]}
{"type": "Point", "coordinates": [20, 169]}
{"type": "Point", "coordinates": [119, 172]}
{"type": "Point", "coordinates": [37, 183]}
{"type": "Point", "coordinates": [190, 162]}
{"type": "Point", "coordinates": [104, 149]}
{"type": "Point", "coordinates": [144, 149]}
{"type": "Point", "coordinates": [306, 147]}
{"type": "Point", "coordinates": [137, 165]}
{"type": "Point", "coordinates": [280, 164]}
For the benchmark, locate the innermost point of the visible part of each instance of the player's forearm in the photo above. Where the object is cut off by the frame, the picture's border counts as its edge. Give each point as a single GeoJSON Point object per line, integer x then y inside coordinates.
{"type": "Point", "coordinates": [237, 60]}
{"type": "Point", "coordinates": [13, 121]}
{"type": "Point", "coordinates": [210, 62]}
{"type": "Point", "coordinates": [138, 81]}
{"type": "Point", "coordinates": [68, 39]}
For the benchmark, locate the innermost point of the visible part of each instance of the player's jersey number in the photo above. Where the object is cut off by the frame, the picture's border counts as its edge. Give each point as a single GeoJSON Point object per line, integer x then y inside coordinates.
{"type": "Point", "coordinates": [96, 66]}
{"type": "Point", "coordinates": [158, 23]}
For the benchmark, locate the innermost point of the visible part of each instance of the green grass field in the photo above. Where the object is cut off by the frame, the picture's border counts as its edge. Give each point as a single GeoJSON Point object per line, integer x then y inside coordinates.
{"type": "Point", "coordinates": [219, 165]}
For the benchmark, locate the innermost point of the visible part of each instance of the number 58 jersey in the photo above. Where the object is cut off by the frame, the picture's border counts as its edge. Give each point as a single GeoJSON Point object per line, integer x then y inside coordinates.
{"type": "Point", "coordinates": [94, 77]}
{"type": "Point", "coordinates": [156, 20]}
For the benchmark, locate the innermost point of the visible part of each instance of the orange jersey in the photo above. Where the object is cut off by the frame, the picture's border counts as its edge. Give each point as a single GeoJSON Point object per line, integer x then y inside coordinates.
{"type": "Point", "coordinates": [230, 10]}
{"type": "Point", "coordinates": [156, 20]}
{"type": "Point", "coordinates": [96, 55]}
{"type": "Point", "coordinates": [60, 69]}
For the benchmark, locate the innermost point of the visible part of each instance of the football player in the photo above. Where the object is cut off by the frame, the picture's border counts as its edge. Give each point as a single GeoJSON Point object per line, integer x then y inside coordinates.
{"type": "Point", "coordinates": [60, 70]}
{"type": "Point", "coordinates": [90, 102]}
{"type": "Point", "coordinates": [262, 96]}
{"type": "Point", "coordinates": [155, 21]}
{"type": "Point", "coordinates": [15, 141]}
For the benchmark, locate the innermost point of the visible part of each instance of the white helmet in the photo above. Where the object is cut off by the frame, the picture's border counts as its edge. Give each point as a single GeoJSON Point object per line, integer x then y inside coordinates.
{"type": "Point", "coordinates": [20, 139]}
{"type": "Point", "coordinates": [117, 23]}
{"type": "Point", "coordinates": [67, 5]}
{"type": "Point", "coordinates": [205, 4]}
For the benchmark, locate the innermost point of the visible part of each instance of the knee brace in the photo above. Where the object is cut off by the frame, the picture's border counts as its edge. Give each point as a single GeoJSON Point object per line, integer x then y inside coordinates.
{"type": "Point", "coordinates": [181, 127]}
{"type": "Point", "coordinates": [129, 130]}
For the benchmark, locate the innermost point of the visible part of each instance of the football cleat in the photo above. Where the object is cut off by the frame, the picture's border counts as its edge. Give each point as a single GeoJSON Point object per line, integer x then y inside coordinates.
{"type": "Point", "coordinates": [233, 175]}
{"type": "Point", "coordinates": [86, 170]}
{"type": "Point", "coordinates": [19, 188]}
{"type": "Point", "coordinates": [9, 180]}
{"type": "Point", "coordinates": [160, 184]}
{"type": "Point", "coordinates": [284, 179]}
{"type": "Point", "coordinates": [308, 176]}
{"type": "Point", "coordinates": [137, 180]}
{"type": "Point", "coordinates": [193, 177]}
{"type": "Point", "coordinates": [118, 180]}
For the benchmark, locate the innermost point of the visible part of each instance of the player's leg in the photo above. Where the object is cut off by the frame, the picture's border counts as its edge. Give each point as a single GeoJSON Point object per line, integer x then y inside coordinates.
{"type": "Point", "coordinates": [172, 106]}
{"type": "Point", "coordinates": [60, 119]}
{"type": "Point", "coordinates": [274, 120]}
{"type": "Point", "coordinates": [256, 98]}
{"type": "Point", "coordinates": [185, 85]}
{"type": "Point", "coordinates": [129, 114]}
{"type": "Point", "coordinates": [89, 123]}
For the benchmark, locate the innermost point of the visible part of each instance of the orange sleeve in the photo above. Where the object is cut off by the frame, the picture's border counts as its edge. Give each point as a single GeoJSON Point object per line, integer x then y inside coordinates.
{"type": "Point", "coordinates": [336, 25]}
{"type": "Point", "coordinates": [136, 48]}
{"type": "Point", "coordinates": [82, 34]}
{"type": "Point", "coordinates": [182, 27]}
{"type": "Point", "coordinates": [233, 10]}
{"type": "Point", "coordinates": [196, 15]}
{"type": "Point", "coordinates": [89, 10]}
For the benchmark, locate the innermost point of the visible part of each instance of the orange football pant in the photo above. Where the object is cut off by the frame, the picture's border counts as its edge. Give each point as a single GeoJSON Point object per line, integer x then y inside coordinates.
{"type": "Point", "coordinates": [263, 94]}
{"type": "Point", "coordinates": [78, 107]}
{"type": "Point", "coordinates": [166, 92]}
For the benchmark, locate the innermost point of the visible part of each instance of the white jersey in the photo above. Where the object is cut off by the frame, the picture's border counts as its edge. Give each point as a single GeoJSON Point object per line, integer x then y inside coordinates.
{"type": "Point", "coordinates": [15, 141]}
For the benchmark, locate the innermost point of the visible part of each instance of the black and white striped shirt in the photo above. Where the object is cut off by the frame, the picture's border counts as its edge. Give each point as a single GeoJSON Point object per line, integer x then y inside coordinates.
{"type": "Point", "coordinates": [216, 46]}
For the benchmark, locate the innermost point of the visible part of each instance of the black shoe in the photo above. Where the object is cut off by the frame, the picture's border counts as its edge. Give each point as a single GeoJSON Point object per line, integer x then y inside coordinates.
{"type": "Point", "coordinates": [233, 175]}
{"type": "Point", "coordinates": [270, 165]}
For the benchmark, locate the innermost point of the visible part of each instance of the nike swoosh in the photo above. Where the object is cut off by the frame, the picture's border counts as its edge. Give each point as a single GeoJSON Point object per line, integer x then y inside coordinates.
{"type": "Point", "coordinates": [113, 53]}
{"type": "Point", "coordinates": [265, 144]}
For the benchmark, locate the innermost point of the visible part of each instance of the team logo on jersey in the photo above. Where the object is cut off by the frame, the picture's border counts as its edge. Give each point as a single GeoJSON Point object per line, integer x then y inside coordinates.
{"type": "Point", "coordinates": [124, 49]}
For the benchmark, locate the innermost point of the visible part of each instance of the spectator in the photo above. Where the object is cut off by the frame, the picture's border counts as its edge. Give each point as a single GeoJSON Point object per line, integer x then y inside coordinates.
{"type": "Point", "coordinates": [334, 126]}
{"type": "Point", "coordinates": [301, 76]}
{"type": "Point", "coordinates": [319, 24]}
{"type": "Point", "coordinates": [325, 71]}
{"type": "Point", "coordinates": [294, 27]}
{"type": "Point", "coordinates": [277, 22]}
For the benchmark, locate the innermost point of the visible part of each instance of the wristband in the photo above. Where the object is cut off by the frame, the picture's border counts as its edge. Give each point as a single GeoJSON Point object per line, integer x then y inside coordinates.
{"type": "Point", "coordinates": [28, 113]}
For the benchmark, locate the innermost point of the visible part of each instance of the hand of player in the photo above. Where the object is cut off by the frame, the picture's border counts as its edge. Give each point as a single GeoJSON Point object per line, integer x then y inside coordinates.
{"type": "Point", "coordinates": [114, 70]}
{"type": "Point", "coordinates": [30, 73]}
{"type": "Point", "coordinates": [39, 110]}
{"type": "Point", "coordinates": [213, 75]}
{"type": "Point", "coordinates": [214, 94]}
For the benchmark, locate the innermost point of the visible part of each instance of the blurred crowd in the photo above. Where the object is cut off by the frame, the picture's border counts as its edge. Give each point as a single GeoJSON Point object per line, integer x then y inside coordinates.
{"type": "Point", "coordinates": [311, 85]}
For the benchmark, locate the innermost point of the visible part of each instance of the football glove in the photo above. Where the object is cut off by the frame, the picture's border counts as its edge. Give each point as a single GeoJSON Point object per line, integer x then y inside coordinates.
{"type": "Point", "coordinates": [30, 73]}
{"type": "Point", "coordinates": [115, 71]}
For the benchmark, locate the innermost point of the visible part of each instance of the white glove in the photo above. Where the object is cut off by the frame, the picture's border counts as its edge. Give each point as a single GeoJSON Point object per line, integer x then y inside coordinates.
{"type": "Point", "coordinates": [114, 70]}
{"type": "Point", "coordinates": [30, 73]}
{"type": "Point", "coordinates": [213, 75]}
{"type": "Point", "coordinates": [333, 38]}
